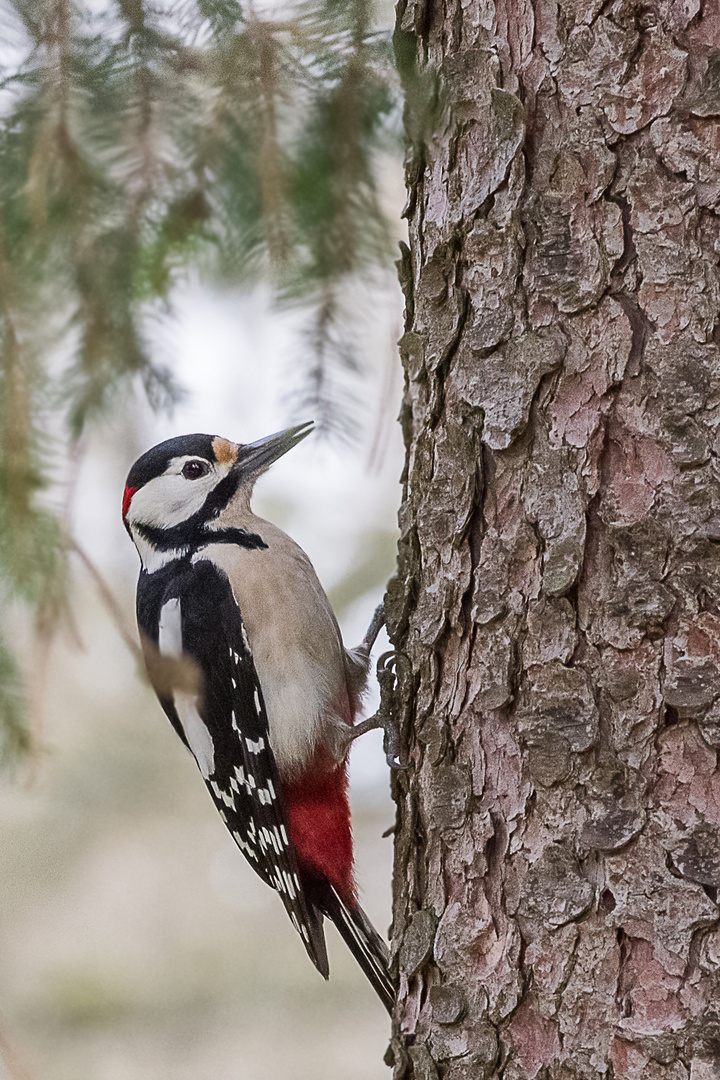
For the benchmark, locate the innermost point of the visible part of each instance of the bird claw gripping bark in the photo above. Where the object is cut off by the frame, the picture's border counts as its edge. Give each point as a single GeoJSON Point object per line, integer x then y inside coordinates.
{"type": "Point", "coordinates": [388, 674]}
{"type": "Point", "coordinates": [391, 667]}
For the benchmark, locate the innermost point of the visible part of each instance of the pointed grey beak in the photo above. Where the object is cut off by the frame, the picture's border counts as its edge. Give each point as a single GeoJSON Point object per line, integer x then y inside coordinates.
{"type": "Point", "coordinates": [255, 457]}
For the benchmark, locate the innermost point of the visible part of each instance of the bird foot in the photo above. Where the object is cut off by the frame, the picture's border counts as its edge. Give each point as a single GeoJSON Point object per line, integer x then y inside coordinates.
{"type": "Point", "coordinates": [387, 672]}
{"type": "Point", "coordinates": [376, 624]}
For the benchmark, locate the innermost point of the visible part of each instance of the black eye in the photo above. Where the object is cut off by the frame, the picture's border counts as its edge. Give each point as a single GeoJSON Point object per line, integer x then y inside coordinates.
{"type": "Point", "coordinates": [193, 470]}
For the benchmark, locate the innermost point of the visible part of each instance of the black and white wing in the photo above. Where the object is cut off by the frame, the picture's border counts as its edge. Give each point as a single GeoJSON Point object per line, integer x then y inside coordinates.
{"type": "Point", "coordinates": [213, 698]}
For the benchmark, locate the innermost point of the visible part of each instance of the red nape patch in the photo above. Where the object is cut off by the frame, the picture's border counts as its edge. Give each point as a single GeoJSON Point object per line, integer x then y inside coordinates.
{"type": "Point", "coordinates": [319, 823]}
{"type": "Point", "coordinates": [127, 499]}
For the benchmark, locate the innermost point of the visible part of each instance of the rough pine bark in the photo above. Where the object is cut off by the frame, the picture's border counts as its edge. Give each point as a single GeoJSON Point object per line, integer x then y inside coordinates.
{"type": "Point", "coordinates": [558, 841]}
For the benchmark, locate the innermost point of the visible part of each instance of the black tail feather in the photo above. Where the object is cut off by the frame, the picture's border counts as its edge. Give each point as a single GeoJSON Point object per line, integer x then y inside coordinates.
{"type": "Point", "coordinates": [364, 943]}
{"type": "Point", "coordinates": [315, 945]}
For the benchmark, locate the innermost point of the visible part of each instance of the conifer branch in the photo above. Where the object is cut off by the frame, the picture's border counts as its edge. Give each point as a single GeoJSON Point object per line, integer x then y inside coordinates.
{"type": "Point", "coordinates": [139, 143]}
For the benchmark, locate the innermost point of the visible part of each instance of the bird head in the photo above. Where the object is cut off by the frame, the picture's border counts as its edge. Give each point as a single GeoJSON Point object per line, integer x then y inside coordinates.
{"type": "Point", "coordinates": [178, 489]}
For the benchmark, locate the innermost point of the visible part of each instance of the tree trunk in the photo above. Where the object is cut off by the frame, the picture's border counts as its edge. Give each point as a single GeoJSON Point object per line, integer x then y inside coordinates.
{"type": "Point", "coordinates": [558, 841]}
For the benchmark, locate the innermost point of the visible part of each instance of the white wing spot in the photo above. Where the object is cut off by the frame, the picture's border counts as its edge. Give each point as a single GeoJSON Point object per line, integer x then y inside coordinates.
{"type": "Point", "coordinates": [255, 747]}
{"type": "Point", "coordinates": [170, 628]}
{"type": "Point", "coordinates": [257, 700]}
{"type": "Point", "coordinates": [199, 738]}
{"type": "Point", "coordinates": [271, 788]}
{"type": "Point", "coordinates": [244, 846]}
{"type": "Point", "coordinates": [186, 705]}
{"type": "Point", "coordinates": [226, 797]}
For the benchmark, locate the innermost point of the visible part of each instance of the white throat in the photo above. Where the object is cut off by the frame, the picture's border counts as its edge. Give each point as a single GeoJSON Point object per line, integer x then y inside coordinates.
{"type": "Point", "coordinates": [151, 558]}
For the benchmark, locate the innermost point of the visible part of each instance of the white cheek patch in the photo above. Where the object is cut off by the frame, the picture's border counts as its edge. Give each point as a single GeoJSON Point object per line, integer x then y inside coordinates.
{"type": "Point", "coordinates": [199, 738]}
{"type": "Point", "coordinates": [170, 499]}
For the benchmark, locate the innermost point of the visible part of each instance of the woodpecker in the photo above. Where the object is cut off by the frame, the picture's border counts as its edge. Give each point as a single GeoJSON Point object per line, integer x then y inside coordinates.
{"type": "Point", "coordinates": [245, 655]}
